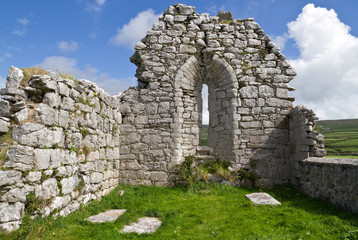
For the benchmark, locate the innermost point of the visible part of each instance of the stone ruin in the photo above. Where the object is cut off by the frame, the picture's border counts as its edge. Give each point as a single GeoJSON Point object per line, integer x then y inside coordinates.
{"type": "Point", "coordinates": [70, 142]}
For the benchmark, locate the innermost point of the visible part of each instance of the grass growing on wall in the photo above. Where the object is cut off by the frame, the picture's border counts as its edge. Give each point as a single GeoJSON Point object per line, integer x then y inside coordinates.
{"type": "Point", "coordinates": [211, 212]}
{"type": "Point", "coordinates": [28, 72]}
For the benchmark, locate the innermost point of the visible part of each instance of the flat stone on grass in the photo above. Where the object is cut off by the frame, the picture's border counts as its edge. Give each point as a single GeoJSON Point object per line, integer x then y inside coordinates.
{"type": "Point", "coordinates": [107, 216]}
{"type": "Point", "coordinates": [262, 199]}
{"type": "Point", "coordinates": [144, 225]}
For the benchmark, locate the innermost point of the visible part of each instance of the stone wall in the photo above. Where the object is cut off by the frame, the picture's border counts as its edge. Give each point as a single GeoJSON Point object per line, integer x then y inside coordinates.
{"type": "Point", "coordinates": [334, 180]}
{"type": "Point", "coordinates": [247, 79]}
{"type": "Point", "coordinates": [62, 146]}
{"type": "Point", "coordinates": [305, 141]}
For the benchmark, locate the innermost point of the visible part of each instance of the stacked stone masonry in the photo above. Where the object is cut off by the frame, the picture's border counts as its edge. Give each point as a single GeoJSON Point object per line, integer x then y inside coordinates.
{"type": "Point", "coordinates": [64, 149]}
{"type": "Point", "coordinates": [71, 142]}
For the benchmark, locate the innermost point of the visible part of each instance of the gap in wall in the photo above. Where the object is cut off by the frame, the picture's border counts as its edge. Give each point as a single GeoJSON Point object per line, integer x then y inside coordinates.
{"type": "Point", "coordinates": [204, 116]}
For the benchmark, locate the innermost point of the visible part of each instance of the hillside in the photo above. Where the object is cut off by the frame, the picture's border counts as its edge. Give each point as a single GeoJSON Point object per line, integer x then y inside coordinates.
{"type": "Point", "coordinates": [341, 136]}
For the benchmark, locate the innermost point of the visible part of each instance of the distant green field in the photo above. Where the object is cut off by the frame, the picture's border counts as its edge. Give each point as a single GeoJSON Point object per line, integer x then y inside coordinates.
{"type": "Point", "coordinates": [204, 136]}
{"type": "Point", "coordinates": [341, 137]}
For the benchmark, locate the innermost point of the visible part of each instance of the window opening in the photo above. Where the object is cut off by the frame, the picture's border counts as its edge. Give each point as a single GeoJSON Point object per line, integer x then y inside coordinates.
{"type": "Point", "coordinates": [204, 116]}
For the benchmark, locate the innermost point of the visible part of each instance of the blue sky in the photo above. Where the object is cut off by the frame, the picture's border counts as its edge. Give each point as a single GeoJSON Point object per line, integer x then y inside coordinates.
{"type": "Point", "coordinates": [94, 39]}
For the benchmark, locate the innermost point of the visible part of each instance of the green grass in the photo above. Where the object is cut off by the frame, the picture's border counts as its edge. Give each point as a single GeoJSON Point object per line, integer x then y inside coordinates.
{"type": "Point", "coordinates": [341, 137]}
{"type": "Point", "coordinates": [204, 136]}
{"type": "Point", "coordinates": [333, 156]}
{"type": "Point", "coordinates": [214, 212]}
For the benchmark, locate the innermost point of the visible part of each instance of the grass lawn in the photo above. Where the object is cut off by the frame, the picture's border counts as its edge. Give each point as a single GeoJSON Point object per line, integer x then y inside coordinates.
{"type": "Point", "coordinates": [212, 212]}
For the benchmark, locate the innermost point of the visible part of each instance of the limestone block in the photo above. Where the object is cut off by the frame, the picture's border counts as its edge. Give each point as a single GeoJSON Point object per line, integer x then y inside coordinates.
{"type": "Point", "coordinates": [20, 157]}
{"type": "Point", "coordinates": [14, 77]}
{"type": "Point", "coordinates": [8, 178]}
{"type": "Point", "coordinates": [140, 46]}
{"type": "Point", "coordinates": [158, 176]}
{"type": "Point", "coordinates": [47, 189]}
{"type": "Point", "coordinates": [68, 104]}
{"type": "Point", "coordinates": [249, 103]}
{"type": "Point", "coordinates": [4, 108]}
{"type": "Point", "coordinates": [152, 139]}
{"type": "Point", "coordinates": [10, 226]}
{"type": "Point", "coordinates": [4, 126]}
{"type": "Point", "coordinates": [42, 158]}
{"type": "Point", "coordinates": [63, 118]}
{"type": "Point", "coordinates": [52, 99]}
{"type": "Point", "coordinates": [68, 184]}
{"type": "Point", "coordinates": [21, 115]}
{"type": "Point", "coordinates": [254, 42]}
{"type": "Point", "coordinates": [132, 165]}
{"type": "Point", "coordinates": [179, 18]}
{"type": "Point", "coordinates": [44, 83]}
{"type": "Point", "coordinates": [63, 89]}
{"type": "Point", "coordinates": [249, 92]}
{"type": "Point", "coordinates": [187, 49]}
{"type": "Point", "coordinates": [96, 177]}
{"type": "Point", "coordinates": [282, 93]}
{"type": "Point", "coordinates": [47, 114]}
{"type": "Point", "coordinates": [11, 212]}
{"type": "Point", "coordinates": [255, 124]}
{"type": "Point", "coordinates": [59, 202]}
{"type": "Point", "coordinates": [33, 176]}
{"type": "Point", "coordinates": [164, 107]}
{"type": "Point", "coordinates": [14, 195]}
{"type": "Point", "coordinates": [266, 91]}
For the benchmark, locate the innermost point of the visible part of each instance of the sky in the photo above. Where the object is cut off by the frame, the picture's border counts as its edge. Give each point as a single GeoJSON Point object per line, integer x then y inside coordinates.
{"type": "Point", "coordinates": [93, 39]}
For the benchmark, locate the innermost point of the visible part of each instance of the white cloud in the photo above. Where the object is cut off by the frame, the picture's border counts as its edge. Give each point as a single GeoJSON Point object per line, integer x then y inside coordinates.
{"type": "Point", "coordinates": [69, 65]}
{"type": "Point", "coordinates": [100, 2]}
{"type": "Point", "coordinates": [214, 9]}
{"type": "Point", "coordinates": [67, 46]}
{"type": "Point", "coordinates": [19, 32]}
{"type": "Point", "coordinates": [5, 56]}
{"type": "Point", "coordinates": [280, 41]}
{"type": "Point", "coordinates": [327, 72]}
{"type": "Point", "coordinates": [13, 48]}
{"type": "Point", "coordinates": [135, 30]}
{"type": "Point", "coordinates": [95, 6]}
{"type": "Point", "coordinates": [23, 21]}
{"type": "Point", "coordinates": [21, 28]}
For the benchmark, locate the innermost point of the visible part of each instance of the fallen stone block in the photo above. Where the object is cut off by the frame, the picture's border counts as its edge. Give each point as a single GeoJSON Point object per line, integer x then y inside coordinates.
{"type": "Point", "coordinates": [262, 199]}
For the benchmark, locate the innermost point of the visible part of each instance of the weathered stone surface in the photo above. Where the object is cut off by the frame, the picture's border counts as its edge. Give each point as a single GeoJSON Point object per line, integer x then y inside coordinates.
{"type": "Point", "coordinates": [20, 158]}
{"type": "Point", "coordinates": [4, 108]}
{"type": "Point", "coordinates": [11, 212]}
{"type": "Point", "coordinates": [14, 77]}
{"type": "Point", "coordinates": [47, 189]}
{"type": "Point", "coordinates": [107, 216]}
{"type": "Point", "coordinates": [42, 159]}
{"type": "Point", "coordinates": [262, 199]}
{"type": "Point", "coordinates": [8, 178]}
{"type": "Point", "coordinates": [22, 115]}
{"type": "Point", "coordinates": [144, 225]}
{"type": "Point", "coordinates": [68, 184]}
{"type": "Point", "coordinates": [4, 126]}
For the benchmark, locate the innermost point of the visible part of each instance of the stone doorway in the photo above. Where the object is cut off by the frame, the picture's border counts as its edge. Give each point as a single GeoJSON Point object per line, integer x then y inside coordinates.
{"type": "Point", "coordinates": [220, 78]}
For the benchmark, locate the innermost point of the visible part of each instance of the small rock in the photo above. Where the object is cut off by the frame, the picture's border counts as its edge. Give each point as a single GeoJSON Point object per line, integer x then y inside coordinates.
{"type": "Point", "coordinates": [144, 225]}
{"type": "Point", "coordinates": [108, 216]}
{"type": "Point", "coordinates": [262, 199]}
{"type": "Point", "coordinates": [14, 77]}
